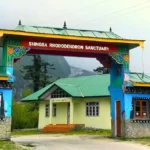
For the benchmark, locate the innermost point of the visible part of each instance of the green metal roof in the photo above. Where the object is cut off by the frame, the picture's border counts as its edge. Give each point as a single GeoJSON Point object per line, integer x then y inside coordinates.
{"type": "Point", "coordinates": [35, 96]}
{"type": "Point", "coordinates": [88, 86]}
{"type": "Point", "coordinates": [139, 77]}
{"type": "Point", "coordinates": [67, 31]}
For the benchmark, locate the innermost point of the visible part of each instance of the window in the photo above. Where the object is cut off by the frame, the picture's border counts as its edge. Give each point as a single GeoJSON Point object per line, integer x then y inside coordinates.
{"type": "Point", "coordinates": [92, 109]}
{"type": "Point", "coordinates": [141, 109]}
{"type": "Point", "coordinates": [47, 110]}
{"type": "Point", "coordinates": [59, 93]}
{"type": "Point", "coordinates": [54, 110]}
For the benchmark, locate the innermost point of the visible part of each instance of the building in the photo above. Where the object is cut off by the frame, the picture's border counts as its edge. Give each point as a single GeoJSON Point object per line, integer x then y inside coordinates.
{"type": "Point", "coordinates": [86, 100]}
{"type": "Point", "coordinates": [130, 107]}
{"type": "Point", "coordinates": [111, 50]}
{"type": "Point", "coordinates": [80, 100]}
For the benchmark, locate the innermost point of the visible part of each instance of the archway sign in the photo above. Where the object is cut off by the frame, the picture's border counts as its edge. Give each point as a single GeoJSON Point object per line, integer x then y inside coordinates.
{"type": "Point", "coordinates": [108, 48]}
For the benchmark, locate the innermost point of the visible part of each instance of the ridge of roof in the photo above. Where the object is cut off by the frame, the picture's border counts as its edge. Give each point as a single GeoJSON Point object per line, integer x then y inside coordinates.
{"type": "Point", "coordinates": [68, 31]}
{"type": "Point", "coordinates": [64, 28]}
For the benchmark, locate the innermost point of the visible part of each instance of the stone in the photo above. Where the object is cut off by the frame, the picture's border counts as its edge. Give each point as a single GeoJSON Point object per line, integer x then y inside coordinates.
{"type": "Point", "coordinates": [136, 130]}
{"type": "Point", "coordinates": [5, 129]}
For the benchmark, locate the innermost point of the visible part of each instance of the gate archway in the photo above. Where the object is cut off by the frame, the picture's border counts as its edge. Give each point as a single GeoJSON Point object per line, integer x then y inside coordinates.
{"type": "Point", "coordinates": [108, 48]}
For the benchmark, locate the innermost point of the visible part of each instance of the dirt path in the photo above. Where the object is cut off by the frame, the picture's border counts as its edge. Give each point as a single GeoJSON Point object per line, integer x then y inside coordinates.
{"type": "Point", "coordinates": [61, 142]}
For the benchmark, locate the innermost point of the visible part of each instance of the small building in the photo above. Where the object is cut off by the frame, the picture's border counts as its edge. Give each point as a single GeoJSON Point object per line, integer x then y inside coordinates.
{"type": "Point", "coordinates": [86, 101]}
{"type": "Point", "coordinates": [130, 107]}
{"type": "Point", "coordinates": [74, 101]}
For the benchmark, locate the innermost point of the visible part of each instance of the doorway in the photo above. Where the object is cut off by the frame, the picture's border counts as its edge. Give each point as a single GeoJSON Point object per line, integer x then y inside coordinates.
{"type": "Point", "coordinates": [68, 113]}
{"type": "Point", "coordinates": [118, 119]}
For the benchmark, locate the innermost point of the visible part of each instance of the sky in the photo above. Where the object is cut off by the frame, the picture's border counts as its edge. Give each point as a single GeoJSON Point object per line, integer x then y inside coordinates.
{"type": "Point", "coordinates": [127, 18]}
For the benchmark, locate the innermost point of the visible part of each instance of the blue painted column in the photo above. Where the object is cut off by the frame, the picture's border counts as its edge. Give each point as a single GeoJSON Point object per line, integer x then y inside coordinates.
{"type": "Point", "coordinates": [6, 96]}
{"type": "Point", "coordinates": [116, 92]}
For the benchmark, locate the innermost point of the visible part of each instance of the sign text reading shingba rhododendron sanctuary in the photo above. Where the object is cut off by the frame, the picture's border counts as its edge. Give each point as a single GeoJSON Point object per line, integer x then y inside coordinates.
{"type": "Point", "coordinates": [67, 46]}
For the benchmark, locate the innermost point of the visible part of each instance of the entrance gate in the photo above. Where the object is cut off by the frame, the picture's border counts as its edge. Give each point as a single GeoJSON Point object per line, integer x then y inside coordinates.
{"type": "Point", "coordinates": [108, 48]}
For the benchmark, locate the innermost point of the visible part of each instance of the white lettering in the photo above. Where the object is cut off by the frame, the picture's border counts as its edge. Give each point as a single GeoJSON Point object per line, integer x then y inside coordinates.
{"type": "Point", "coordinates": [69, 46]}
{"type": "Point", "coordinates": [41, 44]}
{"type": "Point", "coordinates": [97, 48]}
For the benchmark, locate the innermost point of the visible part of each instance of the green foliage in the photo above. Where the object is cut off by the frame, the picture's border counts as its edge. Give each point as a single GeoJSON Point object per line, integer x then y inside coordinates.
{"type": "Point", "coordinates": [22, 117]}
{"type": "Point", "coordinates": [89, 131]}
{"type": "Point", "coordinates": [102, 70]}
{"type": "Point", "coordinates": [26, 93]}
{"type": "Point", "coordinates": [8, 145]}
{"type": "Point", "coordinates": [37, 72]}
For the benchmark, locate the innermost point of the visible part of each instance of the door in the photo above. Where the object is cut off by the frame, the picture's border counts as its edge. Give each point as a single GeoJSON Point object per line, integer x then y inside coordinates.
{"type": "Point", "coordinates": [68, 113]}
{"type": "Point", "coordinates": [118, 119]}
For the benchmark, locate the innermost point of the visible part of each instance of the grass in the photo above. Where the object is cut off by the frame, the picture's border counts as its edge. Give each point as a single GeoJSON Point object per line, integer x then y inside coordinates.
{"type": "Point", "coordinates": [105, 133]}
{"type": "Point", "coordinates": [26, 132]}
{"type": "Point", "coordinates": [73, 132]}
{"type": "Point", "coordinates": [8, 145]}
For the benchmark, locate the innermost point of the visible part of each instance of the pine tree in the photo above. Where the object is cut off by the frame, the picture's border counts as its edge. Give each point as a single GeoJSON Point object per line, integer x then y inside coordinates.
{"type": "Point", "coordinates": [102, 70]}
{"type": "Point", "coordinates": [37, 73]}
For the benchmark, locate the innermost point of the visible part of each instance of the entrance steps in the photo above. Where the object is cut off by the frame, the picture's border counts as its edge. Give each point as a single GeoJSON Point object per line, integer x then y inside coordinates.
{"type": "Point", "coordinates": [60, 128]}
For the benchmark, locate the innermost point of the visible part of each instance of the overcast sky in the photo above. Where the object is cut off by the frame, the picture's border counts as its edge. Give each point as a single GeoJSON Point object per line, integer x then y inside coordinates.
{"type": "Point", "coordinates": [128, 18]}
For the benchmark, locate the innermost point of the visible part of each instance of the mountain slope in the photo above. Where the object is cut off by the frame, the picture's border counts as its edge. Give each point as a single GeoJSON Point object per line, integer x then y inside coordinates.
{"type": "Point", "coordinates": [62, 70]}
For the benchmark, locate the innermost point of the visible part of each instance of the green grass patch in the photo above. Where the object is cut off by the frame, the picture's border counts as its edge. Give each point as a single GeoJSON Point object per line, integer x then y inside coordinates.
{"type": "Point", "coordinates": [8, 145]}
{"type": "Point", "coordinates": [89, 131]}
{"type": "Point", "coordinates": [26, 132]}
{"type": "Point", "coordinates": [76, 131]}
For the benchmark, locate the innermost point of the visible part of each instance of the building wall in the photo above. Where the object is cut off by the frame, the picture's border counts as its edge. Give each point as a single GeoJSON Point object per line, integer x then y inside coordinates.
{"type": "Point", "coordinates": [131, 128]}
{"type": "Point", "coordinates": [5, 124]}
{"type": "Point", "coordinates": [103, 121]}
{"type": "Point", "coordinates": [43, 121]}
{"type": "Point", "coordinates": [7, 97]}
{"type": "Point", "coordinates": [116, 92]}
{"type": "Point", "coordinates": [61, 114]}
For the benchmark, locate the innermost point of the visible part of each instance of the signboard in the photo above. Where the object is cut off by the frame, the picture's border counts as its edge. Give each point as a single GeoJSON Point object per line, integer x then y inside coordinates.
{"type": "Point", "coordinates": [69, 45]}
{"type": "Point", "coordinates": [60, 100]}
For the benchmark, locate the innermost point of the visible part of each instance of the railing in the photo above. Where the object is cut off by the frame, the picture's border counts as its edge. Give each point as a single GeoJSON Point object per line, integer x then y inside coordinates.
{"type": "Point", "coordinates": [2, 70]}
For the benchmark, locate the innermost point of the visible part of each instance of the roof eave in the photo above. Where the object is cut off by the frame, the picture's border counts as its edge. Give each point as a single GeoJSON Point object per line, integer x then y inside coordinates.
{"type": "Point", "coordinates": [131, 42]}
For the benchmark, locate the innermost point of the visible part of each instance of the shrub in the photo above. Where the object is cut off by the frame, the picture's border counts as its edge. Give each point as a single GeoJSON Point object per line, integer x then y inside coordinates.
{"type": "Point", "coordinates": [23, 118]}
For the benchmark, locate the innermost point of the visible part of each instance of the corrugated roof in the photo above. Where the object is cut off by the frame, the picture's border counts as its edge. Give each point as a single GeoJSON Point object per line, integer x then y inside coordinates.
{"type": "Point", "coordinates": [139, 77]}
{"type": "Point", "coordinates": [88, 86]}
{"type": "Point", "coordinates": [35, 96]}
{"type": "Point", "coordinates": [67, 31]}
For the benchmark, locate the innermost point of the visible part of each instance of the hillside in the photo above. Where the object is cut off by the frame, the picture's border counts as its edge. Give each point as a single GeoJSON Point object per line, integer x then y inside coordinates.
{"type": "Point", "coordinates": [62, 70]}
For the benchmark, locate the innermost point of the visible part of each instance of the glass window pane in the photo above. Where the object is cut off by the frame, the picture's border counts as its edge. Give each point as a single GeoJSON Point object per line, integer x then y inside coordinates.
{"type": "Point", "coordinates": [143, 103]}
{"type": "Point", "coordinates": [144, 109]}
{"type": "Point", "coordinates": [137, 108]}
{"type": "Point", "coordinates": [93, 111]}
{"type": "Point", "coordinates": [137, 103]}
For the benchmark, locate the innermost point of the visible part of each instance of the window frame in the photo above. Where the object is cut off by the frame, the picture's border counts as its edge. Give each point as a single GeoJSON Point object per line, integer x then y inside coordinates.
{"type": "Point", "coordinates": [89, 107]}
{"type": "Point", "coordinates": [47, 110]}
{"type": "Point", "coordinates": [59, 93]}
{"type": "Point", "coordinates": [141, 109]}
{"type": "Point", "coordinates": [54, 110]}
